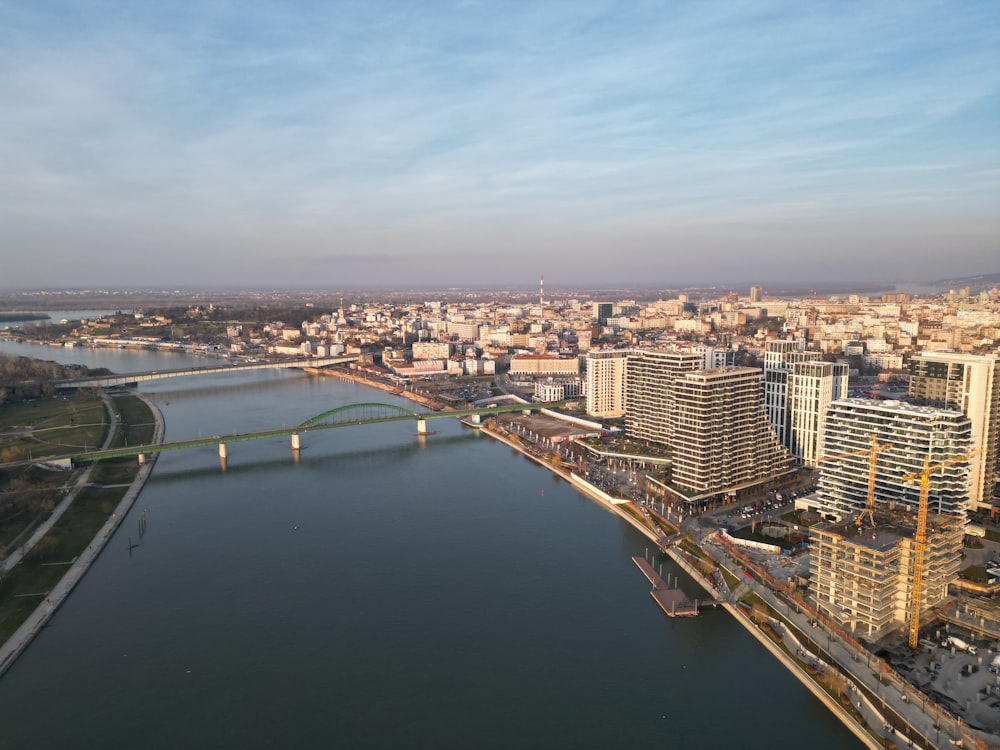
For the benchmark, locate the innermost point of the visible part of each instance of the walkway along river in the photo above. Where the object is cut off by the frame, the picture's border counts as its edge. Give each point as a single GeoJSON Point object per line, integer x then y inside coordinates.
{"type": "Point", "coordinates": [383, 591]}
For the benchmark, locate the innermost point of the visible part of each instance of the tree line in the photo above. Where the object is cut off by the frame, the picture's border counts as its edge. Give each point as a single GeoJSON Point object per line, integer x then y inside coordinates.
{"type": "Point", "coordinates": [25, 378]}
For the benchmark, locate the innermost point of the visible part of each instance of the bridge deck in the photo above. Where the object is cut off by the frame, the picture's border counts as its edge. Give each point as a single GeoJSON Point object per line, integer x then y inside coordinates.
{"type": "Point", "coordinates": [348, 416]}
{"type": "Point", "coordinates": [105, 381]}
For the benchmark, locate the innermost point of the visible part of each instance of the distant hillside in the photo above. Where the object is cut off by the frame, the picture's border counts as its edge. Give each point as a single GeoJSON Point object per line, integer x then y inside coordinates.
{"type": "Point", "coordinates": [975, 283]}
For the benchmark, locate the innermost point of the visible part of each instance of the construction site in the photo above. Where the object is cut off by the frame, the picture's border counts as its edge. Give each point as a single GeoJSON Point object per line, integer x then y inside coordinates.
{"type": "Point", "coordinates": [863, 575]}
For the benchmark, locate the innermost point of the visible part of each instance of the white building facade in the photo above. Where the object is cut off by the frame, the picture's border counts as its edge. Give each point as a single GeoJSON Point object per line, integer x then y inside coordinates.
{"type": "Point", "coordinates": [971, 384]}
{"type": "Point", "coordinates": [779, 358]}
{"type": "Point", "coordinates": [605, 383]}
{"type": "Point", "coordinates": [812, 387]}
{"type": "Point", "coordinates": [908, 433]}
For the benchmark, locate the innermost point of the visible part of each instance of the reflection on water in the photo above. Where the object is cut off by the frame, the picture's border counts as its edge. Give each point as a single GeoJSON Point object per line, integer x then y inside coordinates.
{"type": "Point", "coordinates": [383, 592]}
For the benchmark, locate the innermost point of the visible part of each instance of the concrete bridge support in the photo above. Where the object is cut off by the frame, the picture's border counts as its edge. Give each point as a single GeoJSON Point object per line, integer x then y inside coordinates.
{"type": "Point", "coordinates": [421, 426]}
{"type": "Point", "coordinates": [295, 442]}
{"type": "Point", "coordinates": [477, 419]}
{"type": "Point", "coordinates": [142, 458]}
{"type": "Point", "coordinates": [222, 451]}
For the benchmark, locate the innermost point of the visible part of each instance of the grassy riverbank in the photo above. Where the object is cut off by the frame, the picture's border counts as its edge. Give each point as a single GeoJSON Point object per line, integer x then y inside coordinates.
{"type": "Point", "coordinates": [28, 583]}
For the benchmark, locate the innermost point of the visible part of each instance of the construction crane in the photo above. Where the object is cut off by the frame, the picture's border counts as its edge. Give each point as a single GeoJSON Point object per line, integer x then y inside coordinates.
{"type": "Point", "coordinates": [872, 454]}
{"type": "Point", "coordinates": [920, 538]}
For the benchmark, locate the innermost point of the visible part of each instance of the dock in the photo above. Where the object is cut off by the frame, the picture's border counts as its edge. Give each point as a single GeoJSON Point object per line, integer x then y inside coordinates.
{"type": "Point", "coordinates": [673, 602]}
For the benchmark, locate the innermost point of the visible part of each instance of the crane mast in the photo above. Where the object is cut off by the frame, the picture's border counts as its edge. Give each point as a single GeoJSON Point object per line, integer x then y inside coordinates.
{"type": "Point", "coordinates": [920, 538]}
{"type": "Point", "coordinates": [919, 543]}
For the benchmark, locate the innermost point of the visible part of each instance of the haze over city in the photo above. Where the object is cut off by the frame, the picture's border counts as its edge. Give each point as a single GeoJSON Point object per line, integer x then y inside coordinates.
{"type": "Point", "coordinates": [452, 143]}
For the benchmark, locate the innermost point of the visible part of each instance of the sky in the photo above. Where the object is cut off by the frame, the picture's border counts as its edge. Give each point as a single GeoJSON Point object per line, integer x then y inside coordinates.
{"type": "Point", "coordinates": [334, 144]}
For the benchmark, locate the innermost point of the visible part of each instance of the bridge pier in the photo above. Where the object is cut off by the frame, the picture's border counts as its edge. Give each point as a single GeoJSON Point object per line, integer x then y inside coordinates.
{"type": "Point", "coordinates": [222, 451]}
{"type": "Point", "coordinates": [295, 442]}
{"type": "Point", "coordinates": [422, 427]}
{"type": "Point", "coordinates": [142, 458]}
{"type": "Point", "coordinates": [477, 419]}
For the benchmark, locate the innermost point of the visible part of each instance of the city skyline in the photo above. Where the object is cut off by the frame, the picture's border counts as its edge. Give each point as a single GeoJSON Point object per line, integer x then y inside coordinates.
{"type": "Point", "coordinates": [378, 144]}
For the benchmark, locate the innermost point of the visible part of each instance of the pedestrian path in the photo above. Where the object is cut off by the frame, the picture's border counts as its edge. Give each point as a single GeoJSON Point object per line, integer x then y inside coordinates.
{"type": "Point", "coordinates": [17, 555]}
{"type": "Point", "coordinates": [23, 636]}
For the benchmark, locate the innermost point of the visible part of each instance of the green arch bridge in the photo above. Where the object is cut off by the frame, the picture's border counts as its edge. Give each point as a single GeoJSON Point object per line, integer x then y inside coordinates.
{"type": "Point", "coordinates": [352, 415]}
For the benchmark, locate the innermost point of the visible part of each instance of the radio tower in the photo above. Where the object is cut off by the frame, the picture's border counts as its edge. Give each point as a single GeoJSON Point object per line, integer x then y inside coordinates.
{"type": "Point", "coordinates": [541, 290]}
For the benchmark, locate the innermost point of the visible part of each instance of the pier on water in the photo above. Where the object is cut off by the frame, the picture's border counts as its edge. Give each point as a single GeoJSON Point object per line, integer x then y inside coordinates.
{"type": "Point", "coordinates": [672, 601]}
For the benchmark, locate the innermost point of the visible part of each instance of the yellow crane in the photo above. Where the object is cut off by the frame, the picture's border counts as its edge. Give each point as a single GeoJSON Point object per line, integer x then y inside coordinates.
{"type": "Point", "coordinates": [920, 537]}
{"type": "Point", "coordinates": [872, 454]}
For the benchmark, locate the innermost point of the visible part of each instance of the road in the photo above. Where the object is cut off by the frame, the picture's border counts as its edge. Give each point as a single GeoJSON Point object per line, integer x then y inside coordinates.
{"type": "Point", "coordinates": [861, 668]}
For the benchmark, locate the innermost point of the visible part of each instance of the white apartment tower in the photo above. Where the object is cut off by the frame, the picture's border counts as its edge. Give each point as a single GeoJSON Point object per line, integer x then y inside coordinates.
{"type": "Point", "coordinates": [909, 434]}
{"type": "Point", "coordinates": [720, 440]}
{"type": "Point", "coordinates": [812, 387]}
{"type": "Point", "coordinates": [713, 357]}
{"type": "Point", "coordinates": [649, 375]}
{"type": "Point", "coordinates": [605, 383]}
{"type": "Point", "coordinates": [971, 384]}
{"type": "Point", "coordinates": [779, 358]}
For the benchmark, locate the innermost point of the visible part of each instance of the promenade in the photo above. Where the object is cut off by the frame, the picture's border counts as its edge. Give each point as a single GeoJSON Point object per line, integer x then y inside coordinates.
{"type": "Point", "coordinates": [19, 641]}
{"type": "Point", "coordinates": [82, 481]}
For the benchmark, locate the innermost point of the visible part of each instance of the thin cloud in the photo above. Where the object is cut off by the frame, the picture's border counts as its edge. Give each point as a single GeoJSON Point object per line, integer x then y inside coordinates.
{"type": "Point", "coordinates": [240, 126]}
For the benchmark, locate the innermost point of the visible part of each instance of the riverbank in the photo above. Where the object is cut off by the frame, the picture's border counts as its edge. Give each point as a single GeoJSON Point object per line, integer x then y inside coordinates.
{"type": "Point", "coordinates": [616, 507]}
{"type": "Point", "coordinates": [22, 637]}
{"type": "Point", "coordinates": [388, 388]}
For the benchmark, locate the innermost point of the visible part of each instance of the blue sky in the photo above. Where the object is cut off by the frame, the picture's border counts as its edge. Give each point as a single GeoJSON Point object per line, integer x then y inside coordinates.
{"type": "Point", "coordinates": [395, 143]}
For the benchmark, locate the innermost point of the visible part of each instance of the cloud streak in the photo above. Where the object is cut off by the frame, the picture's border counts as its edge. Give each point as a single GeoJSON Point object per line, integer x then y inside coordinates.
{"type": "Point", "coordinates": [226, 129]}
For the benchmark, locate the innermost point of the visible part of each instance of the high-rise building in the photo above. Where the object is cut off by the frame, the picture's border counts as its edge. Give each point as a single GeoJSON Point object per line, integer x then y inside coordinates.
{"type": "Point", "coordinates": [714, 356]}
{"type": "Point", "coordinates": [863, 566]}
{"type": "Point", "coordinates": [971, 384]}
{"type": "Point", "coordinates": [812, 387]}
{"type": "Point", "coordinates": [649, 376]}
{"type": "Point", "coordinates": [756, 294]}
{"type": "Point", "coordinates": [602, 311]}
{"type": "Point", "coordinates": [720, 441]}
{"type": "Point", "coordinates": [779, 358]}
{"type": "Point", "coordinates": [862, 576]}
{"type": "Point", "coordinates": [908, 434]}
{"type": "Point", "coordinates": [605, 383]}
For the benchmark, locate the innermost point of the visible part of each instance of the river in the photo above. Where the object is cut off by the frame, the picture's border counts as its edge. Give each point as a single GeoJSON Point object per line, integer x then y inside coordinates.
{"type": "Point", "coordinates": [381, 591]}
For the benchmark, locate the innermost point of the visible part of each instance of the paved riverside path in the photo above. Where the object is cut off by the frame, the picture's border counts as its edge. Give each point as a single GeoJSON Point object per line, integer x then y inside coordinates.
{"type": "Point", "coordinates": [19, 641]}
{"type": "Point", "coordinates": [859, 670]}
{"type": "Point", "coordinates": [84, 479]}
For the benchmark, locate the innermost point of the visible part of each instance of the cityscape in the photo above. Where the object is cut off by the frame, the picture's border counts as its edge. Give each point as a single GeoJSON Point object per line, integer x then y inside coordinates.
{"type": "Point", "coordinates": [500, 375]}
{"type": "Point", "coordinates": [825, 467]}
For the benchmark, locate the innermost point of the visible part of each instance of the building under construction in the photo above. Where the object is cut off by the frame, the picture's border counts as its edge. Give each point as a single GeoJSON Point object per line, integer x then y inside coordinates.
{"type": "Point", "coordinates": [863, 574]}
{"type": "Point", "coordinates": [895, 543]}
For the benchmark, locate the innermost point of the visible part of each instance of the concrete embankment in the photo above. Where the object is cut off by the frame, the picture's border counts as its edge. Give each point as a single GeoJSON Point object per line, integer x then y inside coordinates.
{"type": "Point", "coordinates": [388, 388]}
{"type": "Point", "coordinates": [803, 677]}
{"type": "Point", "coordinates": [19, 641]}
{"type": "Point", "coordinates": [602, 498]}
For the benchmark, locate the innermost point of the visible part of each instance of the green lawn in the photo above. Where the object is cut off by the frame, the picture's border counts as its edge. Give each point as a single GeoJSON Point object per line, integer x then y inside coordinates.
{"type": "Point", "coordinates": [48, 561]}
{"type": "Point", "coordinates": [51, 426]}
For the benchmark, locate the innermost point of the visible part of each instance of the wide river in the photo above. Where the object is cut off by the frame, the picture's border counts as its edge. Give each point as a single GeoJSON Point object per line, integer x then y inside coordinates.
{"type": "Point", "coordinates": [383, 591]}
